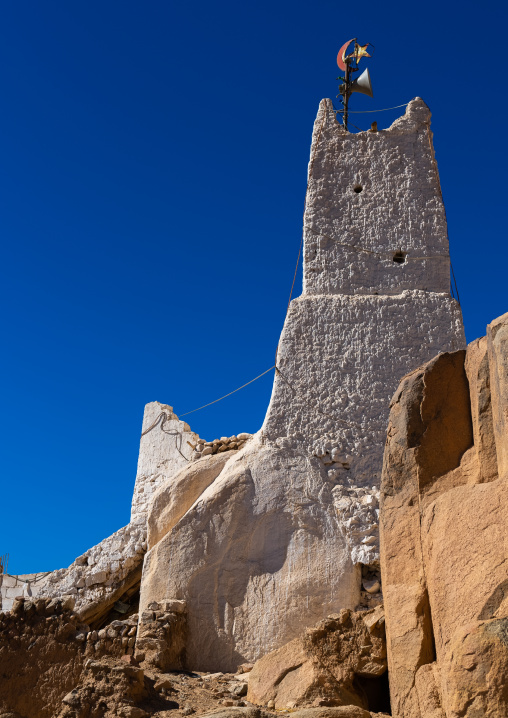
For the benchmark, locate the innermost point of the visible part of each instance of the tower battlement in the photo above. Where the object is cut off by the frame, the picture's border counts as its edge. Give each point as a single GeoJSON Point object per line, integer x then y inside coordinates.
{"type": "Point", "coordinates": [375, 221]}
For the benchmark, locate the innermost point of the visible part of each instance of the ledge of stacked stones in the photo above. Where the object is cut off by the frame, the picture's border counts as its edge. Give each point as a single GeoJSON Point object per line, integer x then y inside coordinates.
{"type": "Point", "coordinates": [117, 638]}
{"type": "Point", "coordinates": [217, 446]}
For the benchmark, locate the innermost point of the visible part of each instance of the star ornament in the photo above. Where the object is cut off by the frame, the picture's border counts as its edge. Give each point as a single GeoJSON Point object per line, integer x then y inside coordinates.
{"type": "Point", "coordinates": [361, 51]}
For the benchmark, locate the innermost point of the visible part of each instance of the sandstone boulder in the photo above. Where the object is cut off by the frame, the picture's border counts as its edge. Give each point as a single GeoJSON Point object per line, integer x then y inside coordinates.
{"type": "Point", "coordinates": [444, 534]}
{"type": "Point", "coordinates": [325, 666]}
{"type": "Point", "coordinates": [173, 498]}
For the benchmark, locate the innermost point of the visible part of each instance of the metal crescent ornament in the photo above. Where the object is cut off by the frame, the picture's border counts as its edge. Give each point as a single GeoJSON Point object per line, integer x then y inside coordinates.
{"type": "Point", "coordinates": [341, 55]}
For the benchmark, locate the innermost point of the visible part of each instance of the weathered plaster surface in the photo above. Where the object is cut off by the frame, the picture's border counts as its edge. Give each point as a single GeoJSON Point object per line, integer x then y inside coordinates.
{"type": "Point", "coordinates": [350, 237]}
{"type": "Point", "coordinates": [363, 320]}
{"type": "Point", "coordinates": [339, 360]}
{"type": "Point", "coordinates": [163, 450]}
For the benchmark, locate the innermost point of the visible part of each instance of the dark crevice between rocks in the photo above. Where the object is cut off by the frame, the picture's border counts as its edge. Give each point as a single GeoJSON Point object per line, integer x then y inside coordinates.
{"type": "Point", "coordinates": [125, 606]}
{"type": "Point", "coordinates": [375, 691]}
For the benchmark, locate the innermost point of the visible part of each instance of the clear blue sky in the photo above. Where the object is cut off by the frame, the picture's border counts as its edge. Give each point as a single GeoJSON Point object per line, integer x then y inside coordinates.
{"type": "Point", "coordinates": [153, 169]}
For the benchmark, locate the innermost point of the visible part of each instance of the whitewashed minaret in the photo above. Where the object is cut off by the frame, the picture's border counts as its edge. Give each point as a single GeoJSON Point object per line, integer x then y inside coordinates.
{"type": "Point", "coordinates": [376, 301]}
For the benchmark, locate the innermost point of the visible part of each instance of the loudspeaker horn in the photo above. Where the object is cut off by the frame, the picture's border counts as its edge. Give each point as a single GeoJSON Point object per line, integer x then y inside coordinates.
{"type": "Point", "coordinates": [362, 84]}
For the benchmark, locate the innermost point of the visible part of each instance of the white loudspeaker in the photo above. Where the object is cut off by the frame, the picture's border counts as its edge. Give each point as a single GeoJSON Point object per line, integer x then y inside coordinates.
{"type": "Point", "coordinates": [362, 84]}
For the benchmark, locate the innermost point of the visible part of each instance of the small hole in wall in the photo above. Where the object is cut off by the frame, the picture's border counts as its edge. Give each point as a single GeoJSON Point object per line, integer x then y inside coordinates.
{"type": "Point", "coordinates": [399, 257]}
{"type": "Point", "coordinates": [358, 188]}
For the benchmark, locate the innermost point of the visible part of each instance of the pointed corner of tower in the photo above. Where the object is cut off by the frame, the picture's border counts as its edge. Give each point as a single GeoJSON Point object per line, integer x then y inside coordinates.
{"type": "Point", "coordinates": [326, 115]}
{"type": "Point", "coordinates": [417, 114]}
{"type": "Point", "coordinates": [325, 105]}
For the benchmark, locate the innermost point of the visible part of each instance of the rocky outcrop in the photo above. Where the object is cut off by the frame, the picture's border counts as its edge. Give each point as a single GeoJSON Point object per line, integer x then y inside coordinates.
{"type": "Point", "coordinates": [444, 502]}
{"type": "Point", "coordinates": [259, 543]}
{"type": "Point", "coordinates": [336, 663]}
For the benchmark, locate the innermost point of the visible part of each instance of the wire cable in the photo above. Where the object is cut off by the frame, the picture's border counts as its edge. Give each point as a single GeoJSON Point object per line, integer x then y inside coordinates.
{"type": "Point", "coordinates": [384, 109]}
{"type": "Point", "coordinates": [231, 392]}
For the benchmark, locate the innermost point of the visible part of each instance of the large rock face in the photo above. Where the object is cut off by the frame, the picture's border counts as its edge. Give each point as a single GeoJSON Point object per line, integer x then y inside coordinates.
{"type": "Point", "coordinates": [444, 534]}
{"type": "Point", "coordinates": [260, 544]}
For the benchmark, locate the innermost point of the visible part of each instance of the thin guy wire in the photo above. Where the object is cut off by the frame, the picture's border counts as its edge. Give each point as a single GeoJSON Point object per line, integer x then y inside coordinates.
{"type": "Point", "coordinates": [231, 392]}
{"type": "Point", "coordinates": [363, 112]}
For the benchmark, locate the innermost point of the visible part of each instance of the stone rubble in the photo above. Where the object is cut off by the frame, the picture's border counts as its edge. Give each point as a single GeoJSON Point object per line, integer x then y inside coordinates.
{"type": "Point", "coordinates": [231, 443]}
{"type": "Point", "coordinates": [162, 636]}
{"type": "Point", "coordinates": [96, 579]}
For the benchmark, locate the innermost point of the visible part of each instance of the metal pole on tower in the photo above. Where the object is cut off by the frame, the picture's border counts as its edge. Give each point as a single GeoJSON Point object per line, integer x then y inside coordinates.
{"type": "Point", "coordinates": [346, 93]}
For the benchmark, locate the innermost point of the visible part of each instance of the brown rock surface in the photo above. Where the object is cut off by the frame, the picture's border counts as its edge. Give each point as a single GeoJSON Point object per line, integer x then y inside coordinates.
{"type": "Point", "coordinates": [40, 660]}
{"type": "Point", "coordinates": [444, 533]}
{"type": "Point", "coordinates": [109, 689]}
{"type": "Point", "coordinates": [497, 337]}
{"type": "Point", "coordinates": [475, 671]}
{"type": "Point", "coordinates": [427, 689]}
{"type": "Point", "coordinates": [478, 375]}
{"type": "Point", "coordinates": [326, 666]}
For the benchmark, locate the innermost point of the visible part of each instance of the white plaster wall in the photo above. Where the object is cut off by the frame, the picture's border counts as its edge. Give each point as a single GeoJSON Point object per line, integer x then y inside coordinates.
{"type": "Point", "coordinates": [350, 238]}
{"type": "Point", "coordinates": [363, 321]}
{"type": "Point", "coordinates": [12, 587]}
{"type": "Point", "coordinates": [163, 451]}
{"type": "Point", "coordinates": [341, 358]}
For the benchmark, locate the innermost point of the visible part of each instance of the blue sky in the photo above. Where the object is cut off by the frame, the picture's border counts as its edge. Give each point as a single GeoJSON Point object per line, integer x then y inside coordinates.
{"type": "Point", "coordinates": [153, 169]}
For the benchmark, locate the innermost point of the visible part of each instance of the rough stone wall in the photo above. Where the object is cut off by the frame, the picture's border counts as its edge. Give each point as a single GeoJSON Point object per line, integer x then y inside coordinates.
{"type": "Point", "coordinates": [41, 657]}
{"type": "Point", "coordinates": [96, 579]}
